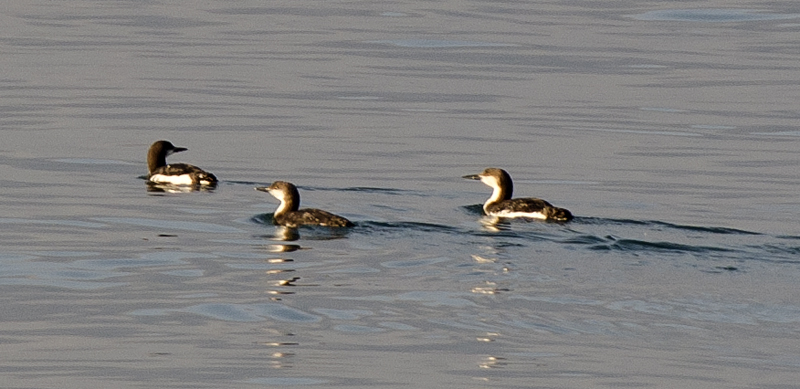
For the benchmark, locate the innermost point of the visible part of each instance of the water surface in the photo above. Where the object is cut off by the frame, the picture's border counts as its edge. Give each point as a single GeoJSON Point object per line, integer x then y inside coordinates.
{"type": "Point", "coordinates": [671, 133]}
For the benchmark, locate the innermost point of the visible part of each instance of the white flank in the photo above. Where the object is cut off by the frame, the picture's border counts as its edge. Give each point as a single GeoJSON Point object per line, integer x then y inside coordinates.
{"type": "Point", "coordinates": [532, 215]}
{"type": "Point", "coordinates": [183, 179]}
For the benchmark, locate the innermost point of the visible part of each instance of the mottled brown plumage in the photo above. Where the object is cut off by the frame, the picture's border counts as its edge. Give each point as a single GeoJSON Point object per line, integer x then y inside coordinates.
{"type": "Point", "coordinates": [289, 213]}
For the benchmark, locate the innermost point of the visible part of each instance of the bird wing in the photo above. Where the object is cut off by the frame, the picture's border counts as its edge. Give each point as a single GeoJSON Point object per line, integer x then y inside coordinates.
{"type": "Point", "coordinates": [184, 168]}
{"type": "Point", "coordinates": [520, 205]}
{"type": "Point", "coordinates": [324, 218]}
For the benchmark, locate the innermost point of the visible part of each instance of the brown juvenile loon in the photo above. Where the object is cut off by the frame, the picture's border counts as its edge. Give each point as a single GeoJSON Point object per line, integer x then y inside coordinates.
{"type": "Point", "coordinates": [177, 173]}
{"type": "Point", "coordinates": [288, 213]}
{"type": "Point", "coordinates": [500, 204]}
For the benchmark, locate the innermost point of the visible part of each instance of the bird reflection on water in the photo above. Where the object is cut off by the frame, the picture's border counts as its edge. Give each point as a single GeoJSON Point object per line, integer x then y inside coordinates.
{"type": "Point", "coordinates": [160, 187]}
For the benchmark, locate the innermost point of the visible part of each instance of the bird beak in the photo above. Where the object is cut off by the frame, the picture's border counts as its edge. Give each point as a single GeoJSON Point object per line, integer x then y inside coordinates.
{"type": "Point", "coordinates": [262, 189]}
{"type": "Point", "coordinates": [178, 150]}
{"type": "Point", "coordinates": [472, 177]}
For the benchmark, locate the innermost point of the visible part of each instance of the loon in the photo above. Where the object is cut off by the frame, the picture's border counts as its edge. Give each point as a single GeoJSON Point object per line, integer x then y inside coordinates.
{"type": "Point", "coordinates": [502, 205]}
{"type": "Point", "coordinates": [175, 174]}
{"type": "Point", "coordinates": [289, 215]}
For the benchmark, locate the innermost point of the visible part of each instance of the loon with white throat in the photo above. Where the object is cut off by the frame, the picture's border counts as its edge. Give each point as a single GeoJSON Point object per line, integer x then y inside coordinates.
{"type": "Point", "coordinates": [500, 204]}
{"type": "Point", "coordinates": [178, 173]}
{"type": "Point", "coordinates": [289, 213]}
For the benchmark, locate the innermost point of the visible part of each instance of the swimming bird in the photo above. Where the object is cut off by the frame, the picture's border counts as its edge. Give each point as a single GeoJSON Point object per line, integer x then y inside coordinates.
{"type": "Point", "coordinates": [500, 204]}
{"type": "Point", "coordinates": [288, 213]}
{"type": "Point", "coordinates": [175, 174]}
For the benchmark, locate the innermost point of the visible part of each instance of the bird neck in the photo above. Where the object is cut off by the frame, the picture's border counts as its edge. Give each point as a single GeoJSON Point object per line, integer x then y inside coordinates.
{"type": "Point", "coordinates": [287, 205]}
{"type": "Point", "coordinates": [500, 191]}
{"type": "Point", "coordinates": [155, 160]}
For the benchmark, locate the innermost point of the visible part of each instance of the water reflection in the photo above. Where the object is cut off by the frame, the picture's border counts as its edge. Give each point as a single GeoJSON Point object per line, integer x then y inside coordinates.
{"type": "Point", "coordinates": [493, 363]}
{"type": "Point", "coordinates": [156, 188]}
{"type": "Point", "coordinates": [286, 234]}
{"type": "Point", "coordinates": [279, 260]}
{"type": "Point", "coordinates": [287, 282]}
{"type": "Point", "coordinates": [492, 272]}
{"type": "Point", "coordinates": [489, 287]}
{"type": "Point", "coordinates": [281, 360]}
{"type": "Point", "coordinates": [283, 248]}
{"type": "Point", "coordinates": [280, 287]}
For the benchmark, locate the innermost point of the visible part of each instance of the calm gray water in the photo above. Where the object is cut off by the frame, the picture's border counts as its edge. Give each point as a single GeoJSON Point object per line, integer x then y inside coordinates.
{"type": "Point", "coordinates": [670, 130]}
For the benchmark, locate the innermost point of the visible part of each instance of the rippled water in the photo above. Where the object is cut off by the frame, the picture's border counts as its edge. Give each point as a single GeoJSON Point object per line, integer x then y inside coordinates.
{"type": "Point", "coordinates": [671, 134]}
